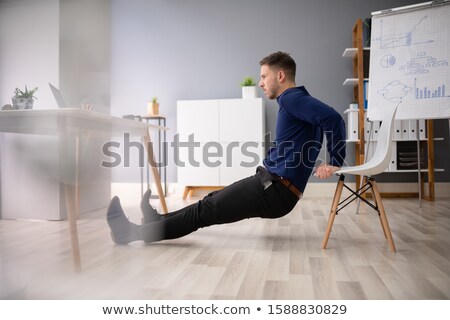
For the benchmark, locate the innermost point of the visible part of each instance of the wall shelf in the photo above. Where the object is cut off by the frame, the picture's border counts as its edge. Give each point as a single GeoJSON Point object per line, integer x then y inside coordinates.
{"type": "Point", "coordinates": [352, 81]}
{"type": "Point", "coordinates": [351, 52]}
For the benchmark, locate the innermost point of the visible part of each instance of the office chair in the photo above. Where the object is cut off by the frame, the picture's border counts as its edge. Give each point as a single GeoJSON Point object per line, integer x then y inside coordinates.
{"type": "Point", "coordinates": [374, 166]}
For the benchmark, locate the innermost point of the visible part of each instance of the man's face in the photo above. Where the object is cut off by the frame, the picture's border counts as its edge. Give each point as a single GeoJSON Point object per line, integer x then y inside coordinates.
{"type": "Point", "coordinates": [269, 82]}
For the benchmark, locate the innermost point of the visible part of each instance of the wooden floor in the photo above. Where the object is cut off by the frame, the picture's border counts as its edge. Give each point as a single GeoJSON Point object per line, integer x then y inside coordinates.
{"type": "Point", "coordinates": [251, 259]}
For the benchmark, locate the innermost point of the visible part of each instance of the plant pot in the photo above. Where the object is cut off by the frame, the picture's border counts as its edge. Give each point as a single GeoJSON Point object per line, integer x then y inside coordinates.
{"type": "Point", "coordinates": [22, 103]}
{"type": "Point", "coordinates": [153, 108]}
{"type": "Point", "coordinates": [249, 92]}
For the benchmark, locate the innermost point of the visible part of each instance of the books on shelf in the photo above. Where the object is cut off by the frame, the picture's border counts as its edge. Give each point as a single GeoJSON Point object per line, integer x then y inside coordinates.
{"type": "Point", "coordinates": [366, 93]}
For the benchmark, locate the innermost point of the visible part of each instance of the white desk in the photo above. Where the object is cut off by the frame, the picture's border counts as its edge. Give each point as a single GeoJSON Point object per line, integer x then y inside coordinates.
{"type": "Point", "coordinates": [68, 125]}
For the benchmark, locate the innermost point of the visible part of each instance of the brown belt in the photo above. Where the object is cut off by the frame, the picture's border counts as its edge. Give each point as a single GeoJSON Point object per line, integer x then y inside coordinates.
{"type": "Point", "coordinates": [290, 186]}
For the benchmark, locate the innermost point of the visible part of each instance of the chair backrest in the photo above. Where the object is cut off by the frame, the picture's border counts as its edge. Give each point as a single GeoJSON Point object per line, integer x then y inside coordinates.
{"type": "Point", "coordinates": [382, 154]}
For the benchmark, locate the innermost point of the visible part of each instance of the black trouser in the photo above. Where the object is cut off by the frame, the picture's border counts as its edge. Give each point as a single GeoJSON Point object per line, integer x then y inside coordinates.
{"type": "Point", "coordinates": [261, 195]}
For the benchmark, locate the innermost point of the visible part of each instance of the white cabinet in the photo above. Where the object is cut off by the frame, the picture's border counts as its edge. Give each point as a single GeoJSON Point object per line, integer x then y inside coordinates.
{"type": "Point", "coordinates": [241, 120]}
{"type": "Point", "coordinates": [198, 117]}
{"type": "Point", "coordinates": [226, 140]}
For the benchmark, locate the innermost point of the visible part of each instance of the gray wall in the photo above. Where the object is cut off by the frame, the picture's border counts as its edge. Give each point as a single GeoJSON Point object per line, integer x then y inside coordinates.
{"type": "Point", "coordinates": [200, 49]}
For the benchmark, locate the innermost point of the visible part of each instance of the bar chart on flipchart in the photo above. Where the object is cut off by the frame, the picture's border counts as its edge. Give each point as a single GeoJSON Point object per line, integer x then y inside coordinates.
{"type": "Point", "coordinates": [409, 62]}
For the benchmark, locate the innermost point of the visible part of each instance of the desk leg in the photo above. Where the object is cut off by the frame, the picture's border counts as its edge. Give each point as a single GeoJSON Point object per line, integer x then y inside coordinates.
{"type": "Point", "coordinates": [71, 199]}
{"type": "Point", "coordinates": [156, 177]}
{"type": "Point", "coordinates": [77, 178]}
{"type": "Point", "coordinates": [70, 146]}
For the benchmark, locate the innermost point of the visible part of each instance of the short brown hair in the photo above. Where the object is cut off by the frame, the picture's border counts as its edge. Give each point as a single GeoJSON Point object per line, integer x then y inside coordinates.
{"type": "Point", "coordinates": [283, 61]}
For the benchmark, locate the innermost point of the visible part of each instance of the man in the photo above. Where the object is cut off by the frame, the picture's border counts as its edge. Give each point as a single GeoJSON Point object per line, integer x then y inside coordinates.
{"type": "Point", "coordinates": [276, 188]}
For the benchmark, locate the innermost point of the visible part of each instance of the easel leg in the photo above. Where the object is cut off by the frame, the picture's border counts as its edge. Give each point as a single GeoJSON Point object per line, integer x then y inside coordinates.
{"type": "Point", "coordinates": [419, 167]}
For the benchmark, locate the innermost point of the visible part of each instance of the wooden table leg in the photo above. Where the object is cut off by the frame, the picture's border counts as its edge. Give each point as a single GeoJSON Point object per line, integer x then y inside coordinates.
{"type": "Point", "coordinates": [155, 174]}
{"type": "Point", "coordinates": [77, 178]}
{"type": "Point", "coordinates": [69, 175]}
{"type": "Point", "coordinates": [70, 192]}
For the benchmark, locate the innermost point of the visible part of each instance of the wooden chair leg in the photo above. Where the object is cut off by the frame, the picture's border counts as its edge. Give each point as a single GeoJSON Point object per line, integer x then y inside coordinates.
{"type": "Point", "coordinates": [337, 197]}
{"type": "Point", "coordinates": [376, 204]}
{"type": "Point", "coordinates": [383, 217]}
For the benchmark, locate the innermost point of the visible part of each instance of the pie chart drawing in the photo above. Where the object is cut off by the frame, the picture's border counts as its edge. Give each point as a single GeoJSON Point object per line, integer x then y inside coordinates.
{"type": "Point", "coordinates": [388, 61]}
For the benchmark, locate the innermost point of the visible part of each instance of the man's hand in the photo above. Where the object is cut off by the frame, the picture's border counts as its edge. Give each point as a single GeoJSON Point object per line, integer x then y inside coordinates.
{"type": "Point", "coordinates": [325, 171]}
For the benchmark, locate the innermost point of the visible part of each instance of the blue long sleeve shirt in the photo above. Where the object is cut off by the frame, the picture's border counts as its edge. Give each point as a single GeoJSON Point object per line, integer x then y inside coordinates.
{"type": "Point", "coordinates": [302, 121]}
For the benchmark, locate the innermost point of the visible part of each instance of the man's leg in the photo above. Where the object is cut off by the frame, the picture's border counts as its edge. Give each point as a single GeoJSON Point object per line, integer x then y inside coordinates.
{"type": "Point", "coordinates": [210, 210]}
{"type": "Point", "coordinates": [256, 196]}
{"type": "Point", "coordinates": [247, 198]}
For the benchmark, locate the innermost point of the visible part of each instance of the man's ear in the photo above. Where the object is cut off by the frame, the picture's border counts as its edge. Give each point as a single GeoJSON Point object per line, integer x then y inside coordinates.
{"type": "Point", "coordinates": [281, 76]}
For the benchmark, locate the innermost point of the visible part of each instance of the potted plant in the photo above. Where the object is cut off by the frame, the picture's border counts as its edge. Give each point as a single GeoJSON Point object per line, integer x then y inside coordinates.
{"type": "Point", "coordinates": [153, 107]}
{"type": "Point", "coordinates": [23, 99]}
{"type": "Point", "coordinates": [249, 88]}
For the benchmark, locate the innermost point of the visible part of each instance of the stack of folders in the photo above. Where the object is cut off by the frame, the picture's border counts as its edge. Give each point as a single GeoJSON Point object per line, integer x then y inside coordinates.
{"type": "Point", "coordinates": [407, 130]}
{"type": "Point", "coordinates": [371, 125]}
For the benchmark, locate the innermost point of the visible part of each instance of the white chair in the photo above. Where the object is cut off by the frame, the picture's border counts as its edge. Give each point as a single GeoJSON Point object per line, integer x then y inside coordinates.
{"type": "Point", "coordinates": [376, 165]}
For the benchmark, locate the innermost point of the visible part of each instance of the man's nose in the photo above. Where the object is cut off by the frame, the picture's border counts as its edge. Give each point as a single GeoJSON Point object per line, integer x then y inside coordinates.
{"type": "Point", "coordinates": [261, 83]}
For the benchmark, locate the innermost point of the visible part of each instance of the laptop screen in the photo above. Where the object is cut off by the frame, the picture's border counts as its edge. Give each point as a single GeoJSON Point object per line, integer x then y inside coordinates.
{"type": "Point", "coordinates": [58, 96]}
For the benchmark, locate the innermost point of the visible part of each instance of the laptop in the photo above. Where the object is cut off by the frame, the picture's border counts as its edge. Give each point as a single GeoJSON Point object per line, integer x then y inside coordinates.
{"type": "Point", "coordinates": [58, 96]}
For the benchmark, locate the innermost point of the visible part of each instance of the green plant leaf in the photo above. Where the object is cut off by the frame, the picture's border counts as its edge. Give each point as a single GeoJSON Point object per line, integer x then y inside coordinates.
{"type": "Point", "coordinates": [27, 94]}
{"type": "Point", "coordinates": [248, 82]}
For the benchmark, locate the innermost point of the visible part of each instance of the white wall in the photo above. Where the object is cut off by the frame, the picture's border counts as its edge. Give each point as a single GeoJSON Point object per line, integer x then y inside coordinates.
{"type": "Point", "coordinates": [29, 48]}
{"type": "Point", "coordinates": [64, 42]}
{"type": "Point", "coordinates": [85, 33]}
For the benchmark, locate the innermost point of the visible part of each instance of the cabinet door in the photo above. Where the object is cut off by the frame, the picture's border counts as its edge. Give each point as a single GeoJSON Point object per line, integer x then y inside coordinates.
{"type": "Point", "coordinates": [241, 120]}
{"type": "Point", "coordinates": [200, 168]}
{"type": "Point", "coordinates": [239, 161]}
{"type": "Point", "coordinates": [200, 118]}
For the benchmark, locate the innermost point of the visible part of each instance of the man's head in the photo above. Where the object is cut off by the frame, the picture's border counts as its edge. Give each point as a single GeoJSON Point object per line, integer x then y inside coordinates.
{"type": "Point", "coordinates": [277, 74]}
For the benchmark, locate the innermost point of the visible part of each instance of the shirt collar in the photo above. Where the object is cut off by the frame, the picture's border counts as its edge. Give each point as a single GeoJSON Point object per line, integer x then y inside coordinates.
{"type": "Point", "coordinates": [299, 88]}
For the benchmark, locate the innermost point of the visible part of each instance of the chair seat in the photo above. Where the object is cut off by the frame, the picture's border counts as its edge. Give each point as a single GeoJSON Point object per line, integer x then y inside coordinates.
{"type": "Point", "coordinates": [366, 169]}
